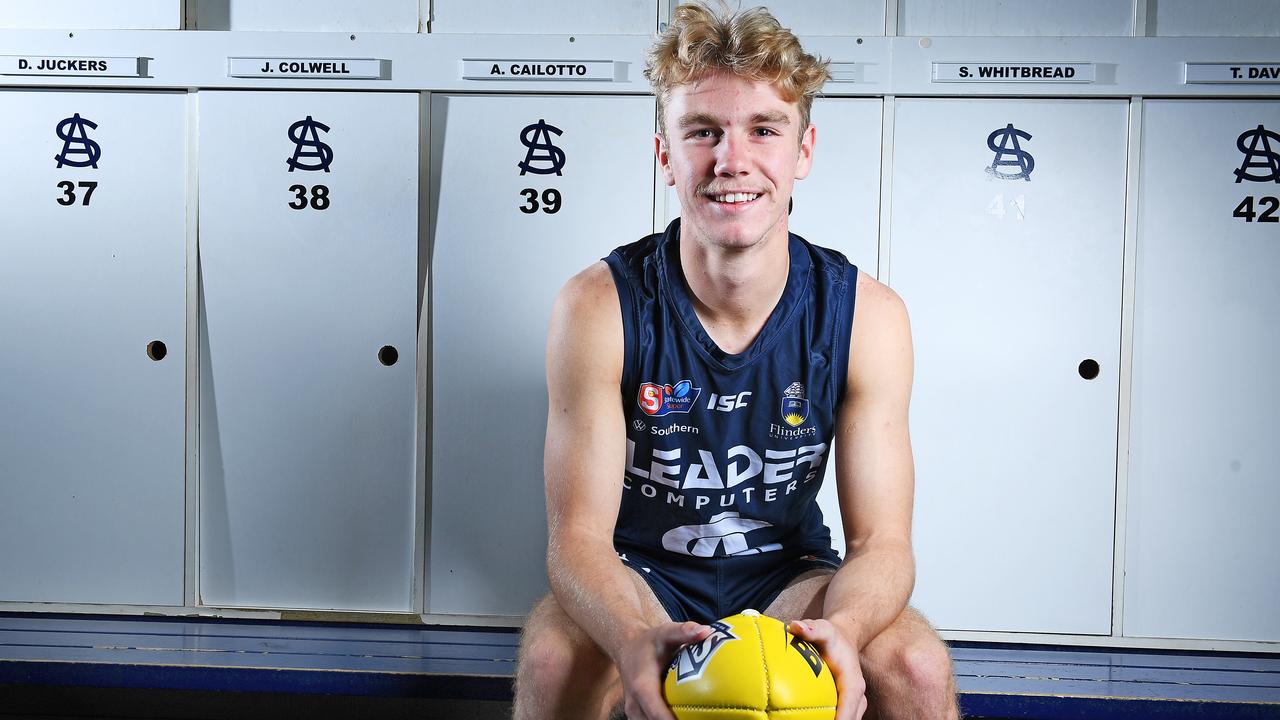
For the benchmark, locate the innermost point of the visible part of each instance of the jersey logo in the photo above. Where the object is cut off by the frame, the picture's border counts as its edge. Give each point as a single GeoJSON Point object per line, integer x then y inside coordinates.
{"type": "Point", "coordinates": [658, 400]}
{"type": "Point", "coordinates": [795, 406]}
{"type": "Point", "coordinates": [728, 403]}
{"type": "Point", "coordinates": [692, 660]}
{"type": "Point", "coordinates": [725, 535]}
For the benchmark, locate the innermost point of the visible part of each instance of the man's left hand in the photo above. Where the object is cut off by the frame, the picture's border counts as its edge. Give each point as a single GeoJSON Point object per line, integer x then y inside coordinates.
{"type": "Point", "coordinates": [841, 657]}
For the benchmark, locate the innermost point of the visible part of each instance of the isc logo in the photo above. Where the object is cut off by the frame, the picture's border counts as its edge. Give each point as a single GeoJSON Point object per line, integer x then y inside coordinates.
{"type": "Point", "coordinates": [728, 403]}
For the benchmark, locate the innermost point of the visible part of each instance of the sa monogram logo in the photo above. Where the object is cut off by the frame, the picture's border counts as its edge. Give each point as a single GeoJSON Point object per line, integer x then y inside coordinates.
{"type": "Point", "coordinates": [692, 660]}
{"type": "Point", "coordinates": [72, 133]}
{"type": "Point", "coordinates": [1259, 154]}
{"type": "Point", "coordinates": [1004, 141]}
{"type": "Point", "coordinates": [795, 406]}
{"type": "Point", "coordinates": [304, 135]}
{"type": "Point", "coordinates": [537, 137]}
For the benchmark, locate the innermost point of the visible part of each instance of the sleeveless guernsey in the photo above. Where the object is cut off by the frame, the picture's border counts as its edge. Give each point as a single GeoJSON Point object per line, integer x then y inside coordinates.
{"type": "Point", "coordinates": [726, 452]}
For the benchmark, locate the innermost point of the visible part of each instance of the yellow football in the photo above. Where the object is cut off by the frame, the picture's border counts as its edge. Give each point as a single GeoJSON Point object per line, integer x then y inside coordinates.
{"type": "Point", "coordinates": [750, 668]}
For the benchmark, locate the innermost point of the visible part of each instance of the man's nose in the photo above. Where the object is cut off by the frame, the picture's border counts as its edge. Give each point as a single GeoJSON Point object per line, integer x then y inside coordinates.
{"type": "Point", "coordinates": [732, 155]}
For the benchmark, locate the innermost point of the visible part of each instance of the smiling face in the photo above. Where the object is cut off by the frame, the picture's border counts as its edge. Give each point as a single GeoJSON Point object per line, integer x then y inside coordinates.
{"type": "Point", "coordinates": [733, 150]}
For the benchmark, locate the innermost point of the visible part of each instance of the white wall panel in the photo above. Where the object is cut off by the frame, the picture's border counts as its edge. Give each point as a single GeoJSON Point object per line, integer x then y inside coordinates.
{"type": "Point", "coordinates": [1011, 285]}
{"type": "Point", "coordinates": [312, 16]}
{"type": "Point", "coordinates": [827, 17]}
{"type": "Point", "coordinates": [1220, 18]}
{"type": "Point", "coordinates": [496, 271]}
{"type": "Point", "coordinates": [1203, 495]}
{"type": "Point", "coordinates": [94, 271]}
{"type": "Point", "coordinates": [567, 17]}
{"type": "Point", "coordinates": [307, 435]}
{"type": "Point", "coordinates": [1029, 17]}
{"type": "Point", "coordinates": [91, 14]}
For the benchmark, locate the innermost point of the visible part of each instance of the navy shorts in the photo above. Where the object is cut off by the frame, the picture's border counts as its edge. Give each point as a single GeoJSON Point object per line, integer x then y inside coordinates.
{"type": "Point", "coordinates": [707, 589]}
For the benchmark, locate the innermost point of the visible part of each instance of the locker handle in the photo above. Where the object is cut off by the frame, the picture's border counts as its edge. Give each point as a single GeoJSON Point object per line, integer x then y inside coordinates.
{"type": "Point", "coordinates": [156, 350]}
{"type": "Point", "coordinates": [388, 355]}
{"type": "Point", "coordinates": [1089, 369]}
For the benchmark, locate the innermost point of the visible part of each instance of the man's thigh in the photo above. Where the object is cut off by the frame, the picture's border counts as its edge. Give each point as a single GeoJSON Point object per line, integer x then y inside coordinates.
{"type": "Point", "coordinates": [804, 598]}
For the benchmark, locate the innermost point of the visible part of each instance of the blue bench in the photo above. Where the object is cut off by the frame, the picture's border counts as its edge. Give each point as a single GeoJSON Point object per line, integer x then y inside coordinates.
{"type": "Point", "coordinates": [477, 664]}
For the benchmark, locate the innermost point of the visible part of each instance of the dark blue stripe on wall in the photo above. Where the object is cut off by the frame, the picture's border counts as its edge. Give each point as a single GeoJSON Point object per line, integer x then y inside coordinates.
{"type": "Point", "coordinates": [221, 679]}
{"type": "Point", "coordinates": [1010, 707]}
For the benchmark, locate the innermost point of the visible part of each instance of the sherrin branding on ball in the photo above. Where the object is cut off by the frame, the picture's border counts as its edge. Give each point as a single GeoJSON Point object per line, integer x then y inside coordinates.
{"type": "Point", "coordinates": [750, 668]}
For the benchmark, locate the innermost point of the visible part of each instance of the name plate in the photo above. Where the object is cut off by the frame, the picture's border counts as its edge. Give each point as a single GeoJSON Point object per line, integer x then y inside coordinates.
{"type": "Point", "coordinates": [983, 72]}
{"type": "Point", "coordinates": [543, 70]}
{"type": "Point", "coordinates": [316, 68]}
{"type": "Point", "coordinates": [843, 71]}
{"type": "Point", "coordinates": [1197, 73]}
{"type": "Point", "coordinates": [70, 66]}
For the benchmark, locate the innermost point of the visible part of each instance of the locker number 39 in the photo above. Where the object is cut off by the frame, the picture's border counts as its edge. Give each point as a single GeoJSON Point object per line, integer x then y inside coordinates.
{"type": "Point", "coordinates": [550, 201]}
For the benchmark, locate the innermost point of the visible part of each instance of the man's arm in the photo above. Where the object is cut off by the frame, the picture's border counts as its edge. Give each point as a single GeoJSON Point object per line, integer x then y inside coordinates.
{"type": "Point", "coordinates": [875, 473]}
{"type": "Point", "coordinates": [583, 465]}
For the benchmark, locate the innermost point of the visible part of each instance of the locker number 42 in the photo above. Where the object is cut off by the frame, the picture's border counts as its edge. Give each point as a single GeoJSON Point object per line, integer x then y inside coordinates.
{"type": "Point", "coordinates": [1266, 212]}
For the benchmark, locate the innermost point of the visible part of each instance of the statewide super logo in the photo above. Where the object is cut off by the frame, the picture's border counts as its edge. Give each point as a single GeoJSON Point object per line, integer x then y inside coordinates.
{"type": "Point", "coordinates": [658, 400]}
{"type": "Point", "coordinates": [795, 406]}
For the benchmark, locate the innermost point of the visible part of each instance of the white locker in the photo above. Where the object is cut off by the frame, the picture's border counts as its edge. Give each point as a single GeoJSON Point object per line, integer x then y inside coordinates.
{"type": "Point", "coordinates": [827, 17]}
{"type": "Point", "coordinates": [314, 16]}
{"type": "Point", "coordinates": [1025, 18]}
{"type": "Point", "coordinates": [91, 15]}
{"type": "Point", "coordinates": [527, 191]}
{"type": "Point", "coordinates": [1203, 496]}
{"type": "Point", "coordinates": [1007, 247]}
{"type": "Point", "coordinates": [1221, 18]}
{"type": "Point", "coordinates": [837, 206]}
{"type": "Point", "coordinates": [567, 17]}
{"type": "Point", "coordinates": [92, 346]}
{"type": "Point", "coordinates": [308, 252]}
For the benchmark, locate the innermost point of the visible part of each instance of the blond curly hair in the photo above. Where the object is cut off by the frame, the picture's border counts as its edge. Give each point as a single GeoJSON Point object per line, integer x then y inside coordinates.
{"type": "Point", "coordinates": [750, 44]}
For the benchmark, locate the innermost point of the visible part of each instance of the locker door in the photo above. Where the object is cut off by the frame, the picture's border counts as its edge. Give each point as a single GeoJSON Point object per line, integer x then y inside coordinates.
{"type": "Point", "coordinates": [527, 191]}
{"type": "Point", "coordinates": [1007, 246]}
{"type": "Point", "coordinates": [92, 346]}
{"type": "Point", "coordinates": [308, 251]}
{"type": "Point", "coordinates": [1203, 495]}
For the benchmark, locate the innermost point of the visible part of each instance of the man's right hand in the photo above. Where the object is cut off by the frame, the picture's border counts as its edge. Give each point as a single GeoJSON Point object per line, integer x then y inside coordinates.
{"type": "Point", "coordinates": [642, 663]}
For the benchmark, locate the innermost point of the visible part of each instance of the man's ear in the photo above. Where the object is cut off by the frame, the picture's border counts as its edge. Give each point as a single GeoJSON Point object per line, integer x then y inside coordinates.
{"type": "Point", "coordinates": [804, 161]}
{"type": "Point", "coordinates": [664, 159]}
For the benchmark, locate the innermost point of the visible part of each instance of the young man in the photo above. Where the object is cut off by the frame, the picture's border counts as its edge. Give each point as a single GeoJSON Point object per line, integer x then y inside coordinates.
{"type": "Point", "coordinates": [698, 381]}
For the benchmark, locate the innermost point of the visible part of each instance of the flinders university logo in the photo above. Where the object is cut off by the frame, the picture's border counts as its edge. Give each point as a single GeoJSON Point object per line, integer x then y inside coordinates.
{"type": "Point", "coordinates": [795, 406]}
{"type": "Point", "coordinates": [692, 660]}
{"type": "Point", "coordinates": [657, 399]}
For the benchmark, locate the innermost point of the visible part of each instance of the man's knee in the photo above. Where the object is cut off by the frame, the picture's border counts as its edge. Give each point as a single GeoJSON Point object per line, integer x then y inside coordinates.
{"type": "Point", "coordinates": [558, 662]}
{"type": "Point", "coordinates": [909, 659]}
{"type": "Point", "coordinates": [925, 663]}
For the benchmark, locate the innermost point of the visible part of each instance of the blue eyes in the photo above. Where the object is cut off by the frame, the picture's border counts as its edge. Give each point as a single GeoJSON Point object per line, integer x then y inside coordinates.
{"type": "Point", "coordinates": [707, 133]}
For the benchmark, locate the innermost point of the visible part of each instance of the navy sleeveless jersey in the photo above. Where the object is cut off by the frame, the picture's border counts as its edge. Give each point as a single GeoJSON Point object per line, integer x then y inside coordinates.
{"type": "Point", "coordinates": [726, 452]}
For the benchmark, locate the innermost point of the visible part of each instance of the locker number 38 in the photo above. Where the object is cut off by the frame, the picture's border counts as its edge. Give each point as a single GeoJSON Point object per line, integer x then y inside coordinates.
{"type": "Point", "coordinates": [318, 200]}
